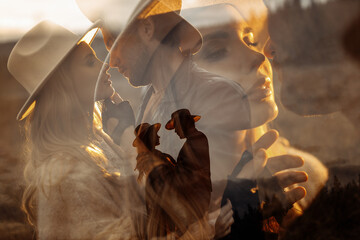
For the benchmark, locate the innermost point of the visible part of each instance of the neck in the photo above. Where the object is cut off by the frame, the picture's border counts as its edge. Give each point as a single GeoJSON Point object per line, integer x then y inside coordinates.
{"type": "Point", "coordinates": [189, 131]}
{"type": "Point", "coordinates": [162, 70]}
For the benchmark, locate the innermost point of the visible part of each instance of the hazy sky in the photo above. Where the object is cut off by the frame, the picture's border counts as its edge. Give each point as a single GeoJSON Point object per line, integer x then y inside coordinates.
{"type": "Point", "coordinates": [18, 16]}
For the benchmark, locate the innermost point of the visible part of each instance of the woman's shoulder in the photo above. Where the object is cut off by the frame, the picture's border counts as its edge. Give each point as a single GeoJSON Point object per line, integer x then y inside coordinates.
{"type": "Point", "coordinates": [64, 167]}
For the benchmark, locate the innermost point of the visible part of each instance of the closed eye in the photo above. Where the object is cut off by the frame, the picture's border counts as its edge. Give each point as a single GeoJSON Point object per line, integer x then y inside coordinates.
{"type": "Point", "coordinates": [90, 59]}
{"type": "Point", "coordinates": [213, 55]}
{"type": "Point", "coordinates": [249, 38]}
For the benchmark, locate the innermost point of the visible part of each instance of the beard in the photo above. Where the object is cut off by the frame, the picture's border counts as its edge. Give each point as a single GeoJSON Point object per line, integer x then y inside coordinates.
{"type": "Point", "coordinates": [139, 74]}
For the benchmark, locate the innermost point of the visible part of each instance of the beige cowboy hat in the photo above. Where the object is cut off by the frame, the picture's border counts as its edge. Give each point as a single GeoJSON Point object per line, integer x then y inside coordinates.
{"type": "Point", "coordinates": [38, 53]}
{"type": "Point", "coordinates": [122, 14]}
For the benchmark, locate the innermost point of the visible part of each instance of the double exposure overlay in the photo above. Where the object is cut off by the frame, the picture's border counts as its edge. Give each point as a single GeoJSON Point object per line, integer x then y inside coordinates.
{"type": "Point", "coordinates": [170, 119]}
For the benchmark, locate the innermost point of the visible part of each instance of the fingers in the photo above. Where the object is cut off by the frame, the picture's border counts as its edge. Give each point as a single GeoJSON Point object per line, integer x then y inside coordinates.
{"type": "Point", "coordinates": [116, 98]}
{"type": "Point", "coordinates": [288, 178]}
{"type": "Point", "coordinates": [227, 212]}
{"type": "Point", "coordinates": [295, 195]}
{"type": "Point", "coordinates": [283, 162]}
{"type": "Point", "coordinates": [224, 221]}
{"type": "Point", "coordinates": [226, 216]}
{"type": "Point", "coordinates": [228, 231]}
{"type": "Point", "coordinates": [225, 229]}
{"type": "Point", "coordinates": [217, 201]}
{"type": "Point", "coordinates": [260, 161]}
{"type": "Point", "coordinates": [278, 203]}
{"type": "Point", "coordinates": [227, 207]}
{"type": "Point", "coordinates": [266, 140]}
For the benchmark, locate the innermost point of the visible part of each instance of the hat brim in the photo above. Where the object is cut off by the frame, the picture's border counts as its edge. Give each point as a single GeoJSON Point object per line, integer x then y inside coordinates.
{"type": "Point", "coordinates": [170, 124]}
{"type": "Point", "coordinates": [157, 126]}
{"type": "Point", "coordinates": [30, 103]}
{"type": "Point", "coordinates": [193, 39]}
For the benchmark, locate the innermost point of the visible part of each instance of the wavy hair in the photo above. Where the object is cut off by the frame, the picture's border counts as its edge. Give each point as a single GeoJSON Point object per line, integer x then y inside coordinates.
{"type": "Point", "coordinates": [58, 125]}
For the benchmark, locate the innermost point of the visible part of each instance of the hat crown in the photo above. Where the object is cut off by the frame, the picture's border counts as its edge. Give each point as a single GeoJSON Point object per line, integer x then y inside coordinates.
{"type": "Point", "coordinates": [181, 114]}
{"type": "Point", "coordinates": [38, 53]}
{"type": "Point", "coordinates": [38, 40]}
{"type": "Point", "coordinates": [120, 14]}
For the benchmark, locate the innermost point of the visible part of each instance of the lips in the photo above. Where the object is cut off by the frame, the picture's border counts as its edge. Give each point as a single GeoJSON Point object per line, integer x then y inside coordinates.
{"type": "Point", "coordinates": [261, 89]}
{"type": "Point", "coordinates": [126, 73]}
{"type": "Point", "coordinates": [106, 80]}
{"type": "Point", "coordinates": [121, 70]}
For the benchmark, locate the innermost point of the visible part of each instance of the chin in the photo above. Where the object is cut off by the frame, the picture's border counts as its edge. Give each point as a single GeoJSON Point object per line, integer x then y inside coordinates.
{"type": "Point", "coordinates": [263, 113]}
{"type": "Point", "coordinates": [137, 81]}
{"type": "Point", "coordinates": [104, 93]}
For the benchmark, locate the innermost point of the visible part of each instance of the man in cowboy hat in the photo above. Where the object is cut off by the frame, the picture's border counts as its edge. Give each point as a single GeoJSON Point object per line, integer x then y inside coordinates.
{"type": "Point", "coordinates": [154, 49]}
{"type": "Point", "coordinates": [194, 156]}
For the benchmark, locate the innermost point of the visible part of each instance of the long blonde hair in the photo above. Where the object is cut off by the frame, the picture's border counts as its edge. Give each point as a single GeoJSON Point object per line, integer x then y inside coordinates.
{"type": "Point", "coordinates": [59, 124]}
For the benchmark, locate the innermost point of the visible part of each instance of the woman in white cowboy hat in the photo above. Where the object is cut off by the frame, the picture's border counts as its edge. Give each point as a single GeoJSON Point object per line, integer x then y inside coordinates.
{"type": "Point", "coordinates": [73, 189]}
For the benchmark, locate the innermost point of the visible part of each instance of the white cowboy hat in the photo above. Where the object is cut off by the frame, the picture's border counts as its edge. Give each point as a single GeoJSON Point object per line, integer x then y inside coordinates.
{"type": "Point", "coordinates": [121, 14]}
{"type": "Point", "coordinates": [38, 53]}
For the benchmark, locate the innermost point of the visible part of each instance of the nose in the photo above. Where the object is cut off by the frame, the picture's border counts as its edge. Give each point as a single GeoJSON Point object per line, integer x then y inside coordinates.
{"type": "Point", "coordinates": [114, 61]}
{"type": "Point", "coordinates": [269, 49]}
{"type": "Point", "coordinates": [255, 59]}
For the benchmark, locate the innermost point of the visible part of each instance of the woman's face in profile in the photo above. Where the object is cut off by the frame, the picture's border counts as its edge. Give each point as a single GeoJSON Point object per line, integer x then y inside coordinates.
{"type": "Point", "coordinates": [230, 51]}
{"type": "Point", "coordinates": [85, 69]}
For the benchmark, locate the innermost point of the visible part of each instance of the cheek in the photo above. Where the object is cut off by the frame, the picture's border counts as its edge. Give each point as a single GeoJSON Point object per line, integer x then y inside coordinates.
{"type": "Point", "coordinates": [225, 67]}
{"type": "Point", "coordinates": [114, 55]}
{"type": "Point", "coordinates": [87, 82]}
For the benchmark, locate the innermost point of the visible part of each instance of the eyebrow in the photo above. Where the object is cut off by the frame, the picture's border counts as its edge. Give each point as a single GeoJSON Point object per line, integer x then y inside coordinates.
{"type": "Point", "coordinates": [216, 35]}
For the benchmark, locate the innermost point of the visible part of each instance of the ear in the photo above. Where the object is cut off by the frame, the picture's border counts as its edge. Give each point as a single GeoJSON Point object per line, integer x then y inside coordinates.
{"type": "Point", "coordinates": [146, 29]}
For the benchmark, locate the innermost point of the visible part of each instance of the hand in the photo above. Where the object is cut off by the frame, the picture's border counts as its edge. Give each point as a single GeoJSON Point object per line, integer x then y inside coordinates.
{"type": "Point", "coordinates": [273, 176]}
{"type": "Point", "coordinates": [271, 186]}
{"type": "Point", "coordinates": [109, 123]}
{"type": "Point", "coordinates": [115, 98]}
{"type": "Point", "coordinates": [252, 169]}
{"type": "Point", "coordinates": [223, 221]}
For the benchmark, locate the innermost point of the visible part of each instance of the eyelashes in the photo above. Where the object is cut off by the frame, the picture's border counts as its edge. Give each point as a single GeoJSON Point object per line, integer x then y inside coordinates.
{"type": "Point", "coordinates": [215, 54]}
{"type": "Point", "coordinates": [217, 49]}
{"type": "Point", "coordinates": [90, 63]}
{"type": "Point", "coordinates": [249, 39]}
{"type": "Point", "coordinates": [90, 60]}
